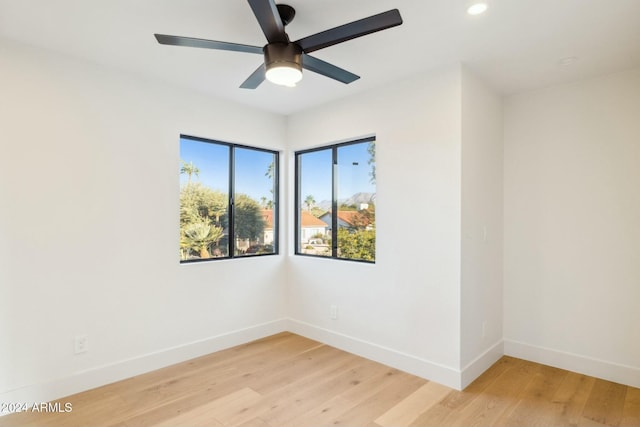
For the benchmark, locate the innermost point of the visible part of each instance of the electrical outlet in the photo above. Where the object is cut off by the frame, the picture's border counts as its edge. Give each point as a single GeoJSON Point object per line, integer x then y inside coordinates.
{"type": "Point", "coordinates": [334, 311]}
{"type": "Point", "coordinates": [81, 343]}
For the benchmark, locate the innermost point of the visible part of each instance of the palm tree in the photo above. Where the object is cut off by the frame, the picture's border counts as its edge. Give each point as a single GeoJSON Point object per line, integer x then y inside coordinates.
{"type": "Point", "coordinates": [309, 201]}
{"type": "Point", "coordinates": [190, 169]}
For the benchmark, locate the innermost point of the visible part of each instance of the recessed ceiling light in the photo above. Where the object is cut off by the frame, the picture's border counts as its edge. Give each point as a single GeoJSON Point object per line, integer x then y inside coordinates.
{"type": "Point", "coordinates": [477, 8]}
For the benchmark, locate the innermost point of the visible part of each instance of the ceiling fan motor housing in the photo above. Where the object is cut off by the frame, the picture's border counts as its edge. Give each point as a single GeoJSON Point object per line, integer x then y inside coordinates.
{"type": "Point", "coordinates": [283, 55]}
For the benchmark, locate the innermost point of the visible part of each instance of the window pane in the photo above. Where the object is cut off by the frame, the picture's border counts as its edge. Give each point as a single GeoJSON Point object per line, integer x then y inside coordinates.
{"type": "Point", "coordinates": [314, 210]}
{"type": "Point", "coordinates": [356, 201]}
{"type": "Point", "coordinates": [204, 199]}
{"type": "Point", "coordinates": [255, 198]}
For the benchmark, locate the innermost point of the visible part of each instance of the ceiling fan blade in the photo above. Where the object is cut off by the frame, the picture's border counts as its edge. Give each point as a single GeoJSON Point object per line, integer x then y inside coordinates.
{"type": "Point", "coordinates": [254, 80]}
{"type": "Point", "coordinates": [321, 67]}
{"type": "Point", "coordinates": [269, 19]}
{"type": "Point", "coordinates": [206, 44]}
{"type": "Point", "coordinates": [349, 31]}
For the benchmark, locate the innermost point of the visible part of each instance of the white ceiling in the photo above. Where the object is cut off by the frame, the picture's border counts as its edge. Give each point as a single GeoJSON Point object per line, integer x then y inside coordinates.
{"type": "Point", "coordinates": [515, 46]}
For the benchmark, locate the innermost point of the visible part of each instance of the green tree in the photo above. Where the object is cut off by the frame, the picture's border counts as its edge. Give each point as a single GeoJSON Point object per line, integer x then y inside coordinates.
{"type": "Point", "coordinates": [202, 219]}
{"type": "Point", "coordinates": [199, 201]}
{"type": "Point", "coordinates": [345, 207]}
{"type": "Point", "coordinates": [248, 221]}
{"type": "Point", "coordinates": [357, 244]}
{"type": "Point", "coordinates": [364, 218]}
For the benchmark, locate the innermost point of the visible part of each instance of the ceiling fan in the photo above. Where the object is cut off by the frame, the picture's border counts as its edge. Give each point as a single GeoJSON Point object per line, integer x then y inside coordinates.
{"type": "Point", "coordinates": [284, 59]}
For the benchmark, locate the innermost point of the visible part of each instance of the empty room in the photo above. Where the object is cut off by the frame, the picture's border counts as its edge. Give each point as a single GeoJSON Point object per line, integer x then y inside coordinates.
{"type": "Point", "coordinates": [303, 213]}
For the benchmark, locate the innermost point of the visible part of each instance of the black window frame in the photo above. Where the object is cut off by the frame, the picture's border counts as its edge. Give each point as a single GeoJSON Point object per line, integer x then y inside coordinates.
{"type": "Point", "coordinates": [231, 202]}
{"type": "Point", "coordinates": [334, 200]}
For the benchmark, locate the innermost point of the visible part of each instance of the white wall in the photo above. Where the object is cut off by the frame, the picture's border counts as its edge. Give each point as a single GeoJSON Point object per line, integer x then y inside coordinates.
{"type": "Point", "coordinates": [481, 268]}
{"type": "Point", "coordinates": [404, 309]}
{"type": "Point", "coordinates": [572, 226]}
{"type": "Point", "coordinates": [89, 228]}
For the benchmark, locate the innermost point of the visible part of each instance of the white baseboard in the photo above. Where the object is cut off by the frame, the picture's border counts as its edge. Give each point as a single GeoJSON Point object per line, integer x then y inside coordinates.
{"type": "Point", "coordinates": [481, 363]}
{"type": "Point", "coordinates": [622, 374]}
{"type": "Point", "coordinates": [405, 362]}
{"type": "Point", "coordinates": [102, 375]}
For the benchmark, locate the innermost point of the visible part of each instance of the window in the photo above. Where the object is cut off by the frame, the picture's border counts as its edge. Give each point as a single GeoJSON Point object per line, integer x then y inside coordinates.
{"type": "Point", "coordinates": [335, 201]}
{"type": "Point", "coordinates": [227, 190]}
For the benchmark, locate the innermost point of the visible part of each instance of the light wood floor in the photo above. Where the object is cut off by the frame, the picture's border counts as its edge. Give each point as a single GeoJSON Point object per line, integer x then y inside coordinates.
{"type": "Point", "coordinates": [288, 380]}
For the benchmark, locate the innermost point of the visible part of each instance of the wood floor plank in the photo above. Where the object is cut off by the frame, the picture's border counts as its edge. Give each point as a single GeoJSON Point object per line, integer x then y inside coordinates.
{"type": "Point", "coordinates": [239, 409]}
{"type": "Point", "coordinates": [199, 417]}
{"type": "Point", "coordinates": [231, 409]}
{"type": "Point", "coordinates": [446, 411]}
{"type": "Point", "coordinates": [320, 396]}
{"type": "Point", "coordinates": [571, 398]}
{"type": "Point", "coordinates": [502, 396]}
{"type": "Point", "coordinates": [538, 408]}
{"type": "Point", "coordinates": [414, 405]}
{"type": "Point", "coordinates": [256, 422]}
{"type": "Point", "coordinates": [588, 422]}
{"type": "Point", "coordinates": [605, 403]}
{"type": "Point", "coordinates": [314, 392]}
{"type": "Point", "coordinates": [396, 387]}
{"type": "Point", "coordinates": [436, 416]}
{"type": "Point", "coordinates": [459, 399]}
{"type": "Point", "coordinates": [316, 361]}
{"type": "Point", "coordinates": [349, 390]}
{"type": "Point", "coordinates": [290, 381]}
{"type": "Point", "coordinates": [631, 410]}
{"type": "Point", "coordinates": [322, 414]}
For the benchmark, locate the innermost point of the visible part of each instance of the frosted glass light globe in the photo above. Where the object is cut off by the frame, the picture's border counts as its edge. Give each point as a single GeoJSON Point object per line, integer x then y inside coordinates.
{"type": "Point", "coordinates": [284, 75]}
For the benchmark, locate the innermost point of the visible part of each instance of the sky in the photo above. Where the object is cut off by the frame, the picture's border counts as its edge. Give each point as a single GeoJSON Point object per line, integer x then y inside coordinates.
{"type": "Point", "coordinates": [251, 166]}
{"type": "Point", "coordinates": [213, 162]}
{"type": "Point", "coordinates": [353, 172]}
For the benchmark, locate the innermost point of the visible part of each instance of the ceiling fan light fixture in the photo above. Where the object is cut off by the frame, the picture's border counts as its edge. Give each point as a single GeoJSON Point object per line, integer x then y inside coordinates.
{"type": "Point", "coordinates": [284, 59]}
{"type": "Point", "coordinates": [283, 63]}
{"type": "Point", "coordinates": [284, 75]}
{"type": "Point", "coordinates": [477, 8]}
